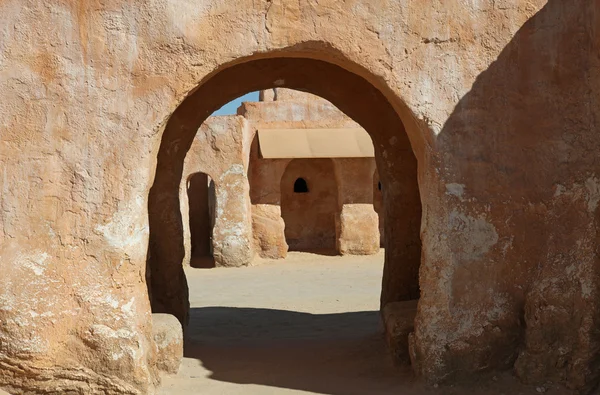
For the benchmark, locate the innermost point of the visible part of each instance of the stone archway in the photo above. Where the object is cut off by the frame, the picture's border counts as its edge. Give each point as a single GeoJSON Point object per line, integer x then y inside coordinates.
{"type": "Point", "coordinates": [348, 91]}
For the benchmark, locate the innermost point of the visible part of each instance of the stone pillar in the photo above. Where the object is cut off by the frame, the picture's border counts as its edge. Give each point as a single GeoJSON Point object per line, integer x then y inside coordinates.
{"type": "Point", "coordinates": [168, 339]}
{"type": "Point", "coordinates": [232, 233]}
{"type": "Point", "coordinates": [268, 228]}
{"type": "Point", "coordinates": [220, 150]}
{"type": "Point", "coordinates": [358, 223]}
{"type": "Point", "coordinates": [269, 231]}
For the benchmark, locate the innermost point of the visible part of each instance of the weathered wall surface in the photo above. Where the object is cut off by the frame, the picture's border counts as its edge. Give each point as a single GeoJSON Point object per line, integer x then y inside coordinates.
{"type": "Point", "coordinates": [219, 151]}
{"type": "Point", "coordinates": [287, 108]}
{"type": "Point", "coordinates": [500, 101]}
{"type": "Point", "coordinates": [265, 194]}
{"type": "Point", "coordinates": [357, 222]}
{"type": "Point", "coordinates": [310, 217]}
{"type": "Point", "coordinates": [514, 232]}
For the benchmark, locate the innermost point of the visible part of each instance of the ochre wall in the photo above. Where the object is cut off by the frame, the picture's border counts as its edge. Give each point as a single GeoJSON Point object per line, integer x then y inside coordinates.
{"type": "Point", "coordinates": [310, 217]}
{"type": "Point", "coordinates": [498, 102]}
{"type": "Point", "coordinates": [265, 194]}
{"type": "Point", "coordinates": [220, 149]}
{"type": "Point", "coordinates": [357, 222]}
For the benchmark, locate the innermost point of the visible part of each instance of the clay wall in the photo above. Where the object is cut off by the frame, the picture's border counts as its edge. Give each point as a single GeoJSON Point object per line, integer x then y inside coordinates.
{"type": "Point", "coordinates": [219, 210]}
{"type": "Point", "coordinates": [491, 106]}
{"type": "Point", "coordinates": [310, 217]}
{"type": "Point", "coordinates": [357, 221]}
{"type": "Point", "coordinates": [274, 232]}
{"type": "Point", "coordinates": [265, 194]}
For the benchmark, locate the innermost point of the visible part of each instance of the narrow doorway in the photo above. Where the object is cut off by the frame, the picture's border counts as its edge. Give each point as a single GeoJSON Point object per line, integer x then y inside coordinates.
{"type": "Point", "coordinates": [201, 198]}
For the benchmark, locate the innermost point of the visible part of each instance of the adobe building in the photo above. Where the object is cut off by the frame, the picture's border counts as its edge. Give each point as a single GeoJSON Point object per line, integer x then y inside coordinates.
{"type": "Point", "coordinates": [292, 171]}
{"type": "Point", "coordinates": [484, 121]}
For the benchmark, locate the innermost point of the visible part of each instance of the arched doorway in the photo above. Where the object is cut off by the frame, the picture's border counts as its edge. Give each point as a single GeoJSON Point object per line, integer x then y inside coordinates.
{"type": "Point", "coordinates": [309, 205]}
{"type": "Point", "coordinates": [353, 95]}
{"type": "Point", "coordinates": [201, 201]}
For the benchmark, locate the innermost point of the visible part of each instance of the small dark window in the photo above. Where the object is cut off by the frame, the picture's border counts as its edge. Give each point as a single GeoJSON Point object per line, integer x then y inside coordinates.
{"type": "Point", "coordinates": [300, 186]}
{"type": "Point", "coordinates": [379, 185]}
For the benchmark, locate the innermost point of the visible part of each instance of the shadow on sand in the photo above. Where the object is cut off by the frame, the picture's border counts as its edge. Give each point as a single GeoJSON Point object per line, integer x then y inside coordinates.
{"type": "Point", "coordinates": [326, 354]}
{"type": "Point", "coordinates": [329, 354]}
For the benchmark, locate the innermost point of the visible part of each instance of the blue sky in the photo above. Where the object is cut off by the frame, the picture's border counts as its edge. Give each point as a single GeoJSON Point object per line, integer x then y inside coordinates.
{"type": "Point", "coordinates": [231, 107]}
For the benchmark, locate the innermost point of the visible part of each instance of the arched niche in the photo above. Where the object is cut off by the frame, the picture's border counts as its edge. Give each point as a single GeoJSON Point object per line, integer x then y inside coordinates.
{"type": "Point", "coordinates": [309, 205]}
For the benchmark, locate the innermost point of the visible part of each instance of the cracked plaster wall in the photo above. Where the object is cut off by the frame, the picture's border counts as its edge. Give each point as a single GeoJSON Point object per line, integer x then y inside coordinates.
{"type": "Point", "coordinates": [500, 97]}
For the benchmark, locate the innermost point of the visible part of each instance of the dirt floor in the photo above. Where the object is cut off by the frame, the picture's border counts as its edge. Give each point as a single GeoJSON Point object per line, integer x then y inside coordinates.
{"type": "Point", "coordinates": [306, 325]}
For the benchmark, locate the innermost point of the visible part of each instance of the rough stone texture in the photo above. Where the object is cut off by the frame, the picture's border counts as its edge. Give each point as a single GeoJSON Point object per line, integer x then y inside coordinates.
{"type": "Point", "coordinates": [497, 102]}
{"type": "Point", "coordinates": [219, 150]}
{"type": "Point", "coordinates": [358, 230]}
{"type": "Point", "coordinates": [269, 231]}
{"type": "Point", "coordinates": [168, 337]}
{"type": "Point", "coordinates": [399, 322]}
{"type": "Point", "coordinates": [357, 223]}
{"type": "Point", "coordinates": [265, 194]}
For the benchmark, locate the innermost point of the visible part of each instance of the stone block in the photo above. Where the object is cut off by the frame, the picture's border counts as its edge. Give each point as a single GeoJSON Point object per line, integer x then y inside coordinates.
{"type": "Point", "coordinates": [168, 337]}
{"type": "Point", "coordinates": [268, 229]}
{"type": "Point", "coordinates": [399, 322]}
{"type": "Point", "coordinates": [358, 230]}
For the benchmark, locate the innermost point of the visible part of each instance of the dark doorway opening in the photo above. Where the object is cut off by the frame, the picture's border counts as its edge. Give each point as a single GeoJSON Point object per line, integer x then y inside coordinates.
{"type": "Point", "coordinates": [201, 198]}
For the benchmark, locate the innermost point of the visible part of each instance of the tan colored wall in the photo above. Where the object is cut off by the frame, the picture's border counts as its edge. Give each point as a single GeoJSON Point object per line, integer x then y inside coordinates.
{"type": "Point", "coordinates": [310, 218]}
{"type": "Point", "coordinates": [295, 110]}
{"type": "Point", "coordinates": [498, 102]}
{"type": "Point", "coordinates": [265, 194]}
{"type": "Point", "coordinates": [286, 108]}
{"type": "Point", "coordinates": [269, 228]}
{"type": "Point", "coordinates": [357, 222]}
{"type": "Point", "coordinates": [219, 150]}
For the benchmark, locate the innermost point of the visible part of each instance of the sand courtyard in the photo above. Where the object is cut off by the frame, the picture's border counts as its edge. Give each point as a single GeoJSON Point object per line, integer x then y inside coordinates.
{"type": "Point", "coordinates": [309, 324]}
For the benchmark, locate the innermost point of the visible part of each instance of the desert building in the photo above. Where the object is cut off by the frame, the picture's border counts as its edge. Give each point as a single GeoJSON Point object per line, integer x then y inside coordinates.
{"type": "Point", "coordinates": [311, 175]}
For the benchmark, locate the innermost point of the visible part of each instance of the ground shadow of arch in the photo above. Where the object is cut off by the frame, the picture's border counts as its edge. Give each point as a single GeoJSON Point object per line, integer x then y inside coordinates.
{"type": "Point", "coordinates": [335, 354]}
{"type": "Point", "coordinates": [527, 129]}
{"type": "Point", "coordinates": [351, 94]}
{"type": "Point", "coordinates": [330, 354]}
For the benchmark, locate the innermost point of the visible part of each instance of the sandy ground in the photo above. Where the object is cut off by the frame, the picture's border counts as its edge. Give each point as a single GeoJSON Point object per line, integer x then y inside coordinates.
{"type": "Point", "coordinates": [306, 325]}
